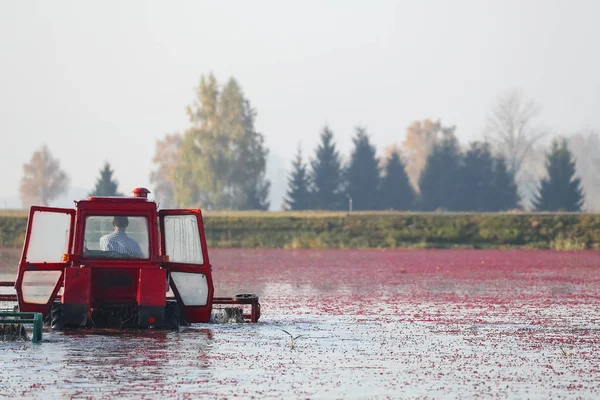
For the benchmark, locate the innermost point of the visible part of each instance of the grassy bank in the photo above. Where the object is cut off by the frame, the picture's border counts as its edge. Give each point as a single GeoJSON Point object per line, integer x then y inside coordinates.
{"type": "Point", "coordinates": [562, 231]}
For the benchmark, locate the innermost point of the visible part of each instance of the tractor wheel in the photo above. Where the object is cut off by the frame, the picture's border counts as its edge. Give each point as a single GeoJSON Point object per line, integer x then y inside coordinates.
{"type": "Point", "coordinates": [48, 318]}
{"type": "Point", "coordinates": [56, 316]}
{"type": "Point", "coordinates": [172, 315]}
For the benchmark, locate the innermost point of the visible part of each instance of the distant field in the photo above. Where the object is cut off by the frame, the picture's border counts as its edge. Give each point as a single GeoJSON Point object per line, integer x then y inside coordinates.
{"type": "Point", "coordinates": [14, 213]}
{"type": "Point", "coordinates": [337, 214]}
{"type": "Point", "coordinates": [326, 229]}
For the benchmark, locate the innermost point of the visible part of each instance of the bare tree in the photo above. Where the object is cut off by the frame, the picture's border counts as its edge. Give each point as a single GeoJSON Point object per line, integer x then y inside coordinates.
{"type": "Point", "coordinates": [43, 180]}
{"type": "Point", "coordinates": [533, 168]}
{"type": "Point", "coordinates": [510, 128]}
{"type": "Point", "coordinates": [166, 157]}
{"type": "Point", "coordinates": [388, 152]}
{"type": "Point", "coordinates": [421, 136]}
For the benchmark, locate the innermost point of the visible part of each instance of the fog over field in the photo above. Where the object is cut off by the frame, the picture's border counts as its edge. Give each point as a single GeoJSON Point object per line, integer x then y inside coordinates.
{"type": "Point", "coordinates": [102, 82]}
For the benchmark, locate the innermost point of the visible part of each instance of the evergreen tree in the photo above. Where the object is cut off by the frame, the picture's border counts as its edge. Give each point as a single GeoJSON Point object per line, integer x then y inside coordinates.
{"type": "Point", "coordinates": [477, 179]}
{"type": "Point", "coordinates": [396, 191]}
{"type": "Point", "coordinates": [105, 185]}
{"type": "Point", "coordinates": [561, 190]}
{"type": "Point", "coordinates": [256, 196]}
{"type": "Point", "coordinates": [298, 194]}
{"type": "Point", "coordinates": [327, 175]}
{"type": "Point", "coordinates": [362, 175]}
{"type": "Point", "coordinates": [251, 162]}
{"type": "Point", "coordinates": [439, 183]}
{"type": "Point", "coordinates": [505, 194]}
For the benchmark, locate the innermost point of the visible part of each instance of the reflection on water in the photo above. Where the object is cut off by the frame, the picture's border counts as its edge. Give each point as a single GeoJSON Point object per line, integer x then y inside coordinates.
{"type": "Point", "coordinates": [335, 357]}
{"type": "Point", "coordinates": [111, 363]}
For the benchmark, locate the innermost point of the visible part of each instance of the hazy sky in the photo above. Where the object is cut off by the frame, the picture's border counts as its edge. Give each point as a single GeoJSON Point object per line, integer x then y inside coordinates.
{"type": "Point", "coordinates": [103, 80]}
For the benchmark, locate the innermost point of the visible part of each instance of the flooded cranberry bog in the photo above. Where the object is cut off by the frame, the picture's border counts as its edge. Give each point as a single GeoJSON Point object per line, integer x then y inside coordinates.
{"type": "Point", "coordinates": [373, 324]}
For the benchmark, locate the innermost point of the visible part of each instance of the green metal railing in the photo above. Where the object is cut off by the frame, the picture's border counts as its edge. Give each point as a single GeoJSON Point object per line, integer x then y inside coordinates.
{"type": "Point", "coordinates": [25, 318]}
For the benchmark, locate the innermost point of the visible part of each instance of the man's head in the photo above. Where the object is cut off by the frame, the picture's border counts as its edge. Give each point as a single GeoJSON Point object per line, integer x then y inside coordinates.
{"type": "Point", "coordinates": [120, 222]}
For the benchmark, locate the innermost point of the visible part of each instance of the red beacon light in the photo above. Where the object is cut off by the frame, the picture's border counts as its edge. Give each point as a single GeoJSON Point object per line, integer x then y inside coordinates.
{"type": "Point", "coordinates": [140, 192]}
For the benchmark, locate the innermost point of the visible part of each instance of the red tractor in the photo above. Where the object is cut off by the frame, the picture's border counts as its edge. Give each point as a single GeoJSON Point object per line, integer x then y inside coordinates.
{"type": "Point", "coordinates": [111, 262]}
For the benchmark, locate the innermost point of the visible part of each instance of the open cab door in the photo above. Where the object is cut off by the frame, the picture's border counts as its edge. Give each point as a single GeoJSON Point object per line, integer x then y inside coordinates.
{"type": "Point", "coordinates": [48, 238]}
{"type": "Point", "coordinates": [184, 243]}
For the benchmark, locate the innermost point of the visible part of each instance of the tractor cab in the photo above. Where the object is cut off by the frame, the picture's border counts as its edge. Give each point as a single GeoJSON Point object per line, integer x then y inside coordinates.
{"type": "Point", "coordinates": [111, 262]}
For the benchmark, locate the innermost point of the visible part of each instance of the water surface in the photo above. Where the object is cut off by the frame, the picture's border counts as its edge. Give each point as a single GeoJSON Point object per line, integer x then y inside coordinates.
{"type": "Point", "coordinates": [374, 324]}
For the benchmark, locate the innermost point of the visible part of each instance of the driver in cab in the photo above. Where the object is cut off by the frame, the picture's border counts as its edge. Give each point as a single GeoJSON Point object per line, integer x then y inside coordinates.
{"type": "Point", "coordinates": [119, 242]}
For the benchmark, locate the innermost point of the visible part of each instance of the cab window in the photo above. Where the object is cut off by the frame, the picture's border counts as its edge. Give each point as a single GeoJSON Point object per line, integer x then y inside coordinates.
{"type": "Point", "coordinates": [182, 239]}
{"type": "Point", "coordinates": [120, 236]}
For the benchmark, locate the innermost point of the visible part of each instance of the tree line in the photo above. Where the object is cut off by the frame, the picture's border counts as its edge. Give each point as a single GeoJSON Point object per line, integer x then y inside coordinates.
{"type": "Point", "coordinates": [451, 179]}
{"type": "Point", "coordinates": [219, 162]}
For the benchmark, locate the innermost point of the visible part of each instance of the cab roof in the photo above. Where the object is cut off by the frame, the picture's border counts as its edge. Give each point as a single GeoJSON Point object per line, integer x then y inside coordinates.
{"type": "Point", "coordinates": [139, 198]}
{"type": "Point", "coordinates": [139, 194]}
{"type": "Point", "coordinates": [120, 199]}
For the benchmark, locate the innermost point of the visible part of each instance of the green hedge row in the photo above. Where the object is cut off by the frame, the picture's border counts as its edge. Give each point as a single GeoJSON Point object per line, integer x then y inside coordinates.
{"type": "Point", "coordinates": [382, 230]}
{"type": "Point", "coordinates": [12, 231]}
{"type": "Point", "coordinates": [558, 231]}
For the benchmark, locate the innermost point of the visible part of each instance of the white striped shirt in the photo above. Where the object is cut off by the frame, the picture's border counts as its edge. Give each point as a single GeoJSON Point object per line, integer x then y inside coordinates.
{"type": "Point", "coordinates": [121, 243]}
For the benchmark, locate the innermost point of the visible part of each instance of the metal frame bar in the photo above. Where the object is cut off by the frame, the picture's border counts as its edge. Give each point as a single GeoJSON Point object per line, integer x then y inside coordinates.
{"type": "Point", "coordinates": [8, 297]}
{"type": "Point", "coordinates": [253, 301]}
{"type": "Point", "coordinates": [25, 318]}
